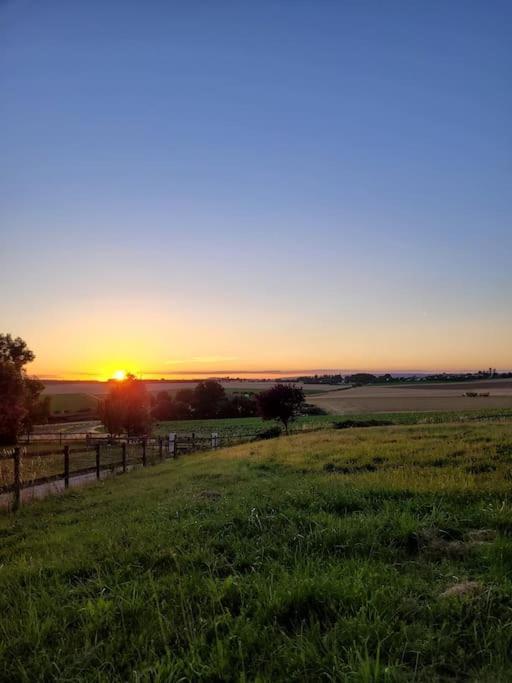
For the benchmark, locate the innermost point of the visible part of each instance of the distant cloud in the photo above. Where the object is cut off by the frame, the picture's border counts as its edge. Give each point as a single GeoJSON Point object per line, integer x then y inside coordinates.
{"type": "Point", "coordinates": [43, 375]}
{"type": "Point", "coordinates": [65, 374]}
{"type": "Point", "coordinates": [206, 372]}
{"type": "Point", "coordinates": [231, 373]}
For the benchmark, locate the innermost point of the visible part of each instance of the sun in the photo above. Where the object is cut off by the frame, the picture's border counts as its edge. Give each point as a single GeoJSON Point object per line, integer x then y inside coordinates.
{"type": "Point", "coordinates": [119, 375]}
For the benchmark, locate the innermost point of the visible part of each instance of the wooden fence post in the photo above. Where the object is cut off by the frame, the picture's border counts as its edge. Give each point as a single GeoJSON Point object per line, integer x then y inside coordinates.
{"type": "Point", "coordinates": [66, 467]}
{"type": "Point", "coordinates": [144, 460]}
{"type": "Point", "coordinates": [173, 449]}
{"type": "Point", "coordinates": [98, 448]}
{"type": "Point", "coordinates": [215, 440]}
{"type": "Point", "coordinates": [160, 448]}
{"type": "Point", "coordinates": [123, 455]}
{"type": "Point", "coordinates": [193, 441]}
{"type": "Point", "coordinates": [17, 478]}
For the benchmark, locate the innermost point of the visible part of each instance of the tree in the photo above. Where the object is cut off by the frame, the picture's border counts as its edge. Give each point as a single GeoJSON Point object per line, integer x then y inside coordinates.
{"type": "Point", "coordinates": [208, 398]}
{"type": "Point", "coordinates": [14, 351]}
{"type": "Point", "coordinates": [111, 413]}
{"type": "Point", "coordinates": [127, 408]}
{"type": "Point", "coordinates": [282, 402]}
{"type": "Point", "coordinates": [239, 405]}
{"type": "Point", "coordinates": [38, 408]}
{"type": "Point", "coordinates": [184, 404]}
{"type": "Point", "coordinates": [12, 403]}
{"type": "Point", "coordinates": [20, 403]}
{"type": "Point", "coordinates": [361, 378]}
{"type": "Point", "coordinates": [163, 407]}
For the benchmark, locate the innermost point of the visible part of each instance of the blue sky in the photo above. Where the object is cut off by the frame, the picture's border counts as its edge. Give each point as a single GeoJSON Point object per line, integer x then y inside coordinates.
{"type": "Point", "coordinates": [263, 185]}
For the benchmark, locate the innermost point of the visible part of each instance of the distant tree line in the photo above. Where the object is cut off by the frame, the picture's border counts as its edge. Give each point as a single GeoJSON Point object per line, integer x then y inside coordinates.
{"type": "Point", "coordinates": [207, 400]}
{"type": "Point", "coordinates": [356, 378]}
{"type": "Point", "coordinates": [130, 409]}
{"type": "Point", "coordinates": [362, 378]}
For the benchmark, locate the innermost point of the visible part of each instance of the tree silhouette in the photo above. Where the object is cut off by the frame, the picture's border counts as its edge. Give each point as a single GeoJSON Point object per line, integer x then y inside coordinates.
{"type": "Point", "coordinates": [282, 402]}
{"type": "Point", "coordinates": [20, 402]}
{"type": "Point", "coordinates": [127, 407]}
{"type": "Point", "coordinates": [208, 399]}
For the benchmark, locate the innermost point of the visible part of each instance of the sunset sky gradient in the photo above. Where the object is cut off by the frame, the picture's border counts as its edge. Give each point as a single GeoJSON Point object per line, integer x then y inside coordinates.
{"type": "Point", "coordinates": [249, 187]}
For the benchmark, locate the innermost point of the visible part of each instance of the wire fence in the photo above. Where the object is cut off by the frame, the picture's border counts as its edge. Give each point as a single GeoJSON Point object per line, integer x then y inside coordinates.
{"type": "Point", "coordinates": [41, 467]}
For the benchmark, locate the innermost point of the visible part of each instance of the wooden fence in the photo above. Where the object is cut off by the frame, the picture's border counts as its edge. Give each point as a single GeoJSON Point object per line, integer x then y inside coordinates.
{"type": "Point", "coordinates": [22, 467]}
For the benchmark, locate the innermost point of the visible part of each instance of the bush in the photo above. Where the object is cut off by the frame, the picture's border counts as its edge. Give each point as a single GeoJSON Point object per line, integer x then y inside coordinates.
{"type": "Point", "coordinates": [347, 424]}
{"type": "Point", "coordinates": [270, 433]}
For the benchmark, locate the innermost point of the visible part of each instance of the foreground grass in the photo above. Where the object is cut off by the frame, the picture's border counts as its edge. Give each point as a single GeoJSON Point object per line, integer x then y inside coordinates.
{"type": "Point", "coordinates": [323, 556]}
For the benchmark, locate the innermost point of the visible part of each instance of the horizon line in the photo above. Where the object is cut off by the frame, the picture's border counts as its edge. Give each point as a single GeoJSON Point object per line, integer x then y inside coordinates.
{"type": "Point", "coordinates": [235, 374]}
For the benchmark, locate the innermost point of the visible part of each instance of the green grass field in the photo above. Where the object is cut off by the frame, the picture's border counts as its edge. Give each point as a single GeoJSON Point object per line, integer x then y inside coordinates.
{"type": "Point", "coordinates": [251, 425]}
{"type": "Point", "coordinates": [239, 426]}
{"type": "Point", "coordinates": [64, 404]}
{"type": "Point", "coordinates": [380, 554]}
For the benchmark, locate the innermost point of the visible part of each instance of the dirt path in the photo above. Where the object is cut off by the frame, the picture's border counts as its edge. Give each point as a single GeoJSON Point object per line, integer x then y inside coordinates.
{"type": "Point", "coordinates": [68, 427]}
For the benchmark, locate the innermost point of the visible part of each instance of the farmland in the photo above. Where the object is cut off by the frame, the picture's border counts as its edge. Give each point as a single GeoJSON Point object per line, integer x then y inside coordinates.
{"type": "Point", "coordinates": [379, 554]}
{"type": "Point", "coordinates": [421, 397]}
{"type": "Point", "coordinates": [76, 397]}
{"type": "Point", "coordinates": [239, 426]}
{"type": "Point", "coordinates": [252, 425]}
{"type": "Point", "coordinates": [102, 388]}
{"type": "Point", "coordinates": [76, 400]}
{"type": "Point", "coordinates": [249, 426]}
{"type": "Point", "coordinates": [73, 404]}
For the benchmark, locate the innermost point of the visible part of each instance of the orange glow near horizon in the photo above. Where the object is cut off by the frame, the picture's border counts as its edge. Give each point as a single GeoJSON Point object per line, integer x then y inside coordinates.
{"type": "Point", "coordinates": [119, 375]}
{"type": "Point", "coordinates": [205, 342]}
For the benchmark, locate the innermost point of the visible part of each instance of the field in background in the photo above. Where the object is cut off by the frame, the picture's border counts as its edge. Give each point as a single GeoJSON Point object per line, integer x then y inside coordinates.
{"type": "Point", "coordinates": [244, 425]}
{"type": "Point", "coordinates": [101, 388]}
{"type": "Point", "coordinates": [80, 398]}
{"type": "Point", "coordinates": [421, 397]}
{"type": "Point", "coordinates": [73, 405]}
{"type": "Point", "coordinates": [380, 554]}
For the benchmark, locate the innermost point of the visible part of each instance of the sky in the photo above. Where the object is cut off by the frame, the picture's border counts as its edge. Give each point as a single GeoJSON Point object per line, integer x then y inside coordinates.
{"type": "Point", "coordinates": [236, 187]}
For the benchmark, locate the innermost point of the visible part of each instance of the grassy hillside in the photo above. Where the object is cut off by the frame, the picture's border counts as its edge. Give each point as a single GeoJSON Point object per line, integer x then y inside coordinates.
{"type": "Point", "coordinates": [379, 554]}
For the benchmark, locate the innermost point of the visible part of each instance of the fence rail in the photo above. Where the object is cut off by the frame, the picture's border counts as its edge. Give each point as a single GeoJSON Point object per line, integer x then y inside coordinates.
{"type": "Point", "coordinates": [23, 468]}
